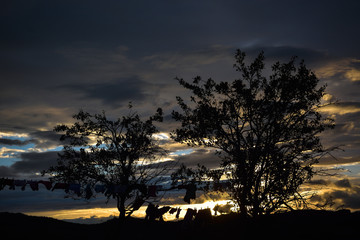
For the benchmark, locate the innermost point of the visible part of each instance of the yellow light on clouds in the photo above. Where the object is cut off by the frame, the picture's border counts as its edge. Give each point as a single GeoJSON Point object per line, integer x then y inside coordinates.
{"type": "Point", "coordinates": [108, 212]}
{"type": "Point", "coordinates": [340, 109]}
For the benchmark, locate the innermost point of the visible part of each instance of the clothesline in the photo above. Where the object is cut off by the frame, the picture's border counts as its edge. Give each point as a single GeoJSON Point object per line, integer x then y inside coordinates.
{"type": "Point", "coordinates": [111, 189]}
{"type": "Point", "coordinates": [108, 190]}
{"type": "Point", "coordinates": [34, 185]}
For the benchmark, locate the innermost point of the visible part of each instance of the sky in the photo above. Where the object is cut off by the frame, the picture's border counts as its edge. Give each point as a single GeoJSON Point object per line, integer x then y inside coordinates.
{"type": "Point", "coordinates": [58, 57]}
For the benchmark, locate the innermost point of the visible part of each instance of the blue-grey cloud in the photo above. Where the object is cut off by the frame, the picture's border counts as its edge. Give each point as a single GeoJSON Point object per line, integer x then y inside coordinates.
{"type": "Point", "coordinates": [30, 165]}
{"type": "Point", "coordinates": [17, 142]}
{"type": "Point", "coordinates": [115, 93]}
{"type": "Point", "coordinates": [34, 162]}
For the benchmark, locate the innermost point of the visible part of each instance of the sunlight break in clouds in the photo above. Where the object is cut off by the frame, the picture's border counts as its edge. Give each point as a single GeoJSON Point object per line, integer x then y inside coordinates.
{"type": "Point", "coordinates": [100, 214]}
{"type": "Point", "coordinates": [161, 136]}
{"type": "Point", "coordinates": [353, 74]}
{"type": "Point", "coordinates": [345, 67]}
{"type": "Point", "coordinates": [341, 109]}
{"type": "Point", "coordinates": [9, 152]}
{"type": "Point", "coordinates": [13, 135]}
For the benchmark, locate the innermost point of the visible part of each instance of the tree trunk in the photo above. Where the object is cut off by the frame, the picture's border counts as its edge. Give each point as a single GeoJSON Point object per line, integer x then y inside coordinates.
{"type": "Point", "coordinates": [241, 201]}
{"type": "Point", "coordinates": [243, 208]}
{"type": "Point", "coordinates": [243, 189]}
{"type": "Point", "coordinates": [121, 208]}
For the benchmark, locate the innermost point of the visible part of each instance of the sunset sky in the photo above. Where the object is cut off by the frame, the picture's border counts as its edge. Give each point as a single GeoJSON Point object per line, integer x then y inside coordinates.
{"type": "Point", "coordinates": [61, 56]}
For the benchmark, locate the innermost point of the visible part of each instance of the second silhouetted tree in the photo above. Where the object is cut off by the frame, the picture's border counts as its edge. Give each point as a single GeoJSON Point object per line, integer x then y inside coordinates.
{"type": "Point", "coordinates": [122, 155]}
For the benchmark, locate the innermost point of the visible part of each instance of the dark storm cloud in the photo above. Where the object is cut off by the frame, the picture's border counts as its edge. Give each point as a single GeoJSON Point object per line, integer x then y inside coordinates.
{"type": "Point", "coordinates": [7, 172]}
{"type": "Point", "coordinates": [17, 142]}
{"type": "Point", "coordinates": [35, 162]}
{"type": "Point", "coordinates": [114, 93]}
{"type": "Point", "coordinates": [200, 156]}
{"type": "Point", "coordinates": [191, 59]}
{"type": "Point", "coordinates": [46, 139]}
{"type": "Point", "coordinates": [165, 25]}
{"type": "Point", "coordinates": [44, 200]}
{"type": "Point", "coordinates": [346, 197]}
{"type": "Point", "coordinates": [349, 199]}
{"type": "Point", "coordinates": [340, 158]}
{"type": "Point", "coordinates": [40, 139]}
{"type": "Point", "coordinates": [343, 193]}
{"type": "Point", "coordinates": [318, 182]}
{"type": "Point", "coordinates": [285, 53]}
{"type": "Point", "coordinates": [343, 183]}
{"type": "Point", "coordinates": [30, 165]}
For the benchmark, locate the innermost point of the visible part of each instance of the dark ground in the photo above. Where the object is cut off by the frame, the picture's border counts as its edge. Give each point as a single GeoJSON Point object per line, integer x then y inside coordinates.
{"type": "Point", "coordinates": [295, 225]}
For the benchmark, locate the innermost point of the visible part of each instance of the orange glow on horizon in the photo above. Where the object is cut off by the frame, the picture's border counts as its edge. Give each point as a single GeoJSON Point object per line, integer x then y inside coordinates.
{"type": "Point", "coordinates": [68, 214]}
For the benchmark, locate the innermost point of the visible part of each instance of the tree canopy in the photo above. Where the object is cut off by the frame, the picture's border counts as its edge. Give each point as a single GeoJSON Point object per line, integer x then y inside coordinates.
{"type": "Point", "coordinates": [265, 129]}
{"type": "Point", "coordinates": [121, 154]}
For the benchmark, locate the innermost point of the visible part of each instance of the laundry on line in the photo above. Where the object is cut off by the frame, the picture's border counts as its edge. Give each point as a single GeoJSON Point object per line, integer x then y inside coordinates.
{"type": "Point", "coordinates": [87, 190]}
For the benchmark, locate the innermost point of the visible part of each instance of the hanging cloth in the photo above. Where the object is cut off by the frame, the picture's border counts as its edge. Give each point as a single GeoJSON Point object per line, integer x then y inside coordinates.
{"type": "Point", "coordinates": [60, 186]}
{"type": "Point", "coordinates": [20, 183]}
{"type": "Point", "coordinates": [137, 203]}
{"type": "Point", "coordinates": [34, 185]}
{"type": "Point", "coordinates": [47, 184]}
{"type": "Point", "coordinates": [178, 213]}
{"type": "Point", "coordinates": [10, 183]}
{"type": "Point", "coordinates": [152, 191]}
{"type": "Point", "coordinates": [88, 192]}
{"type": "Point", "coordinates": [100, 188]}
{"type": "Point", "coordinates": [2, 183]}
{"type": "Point", "coordinates": [75, 188]}
{"type": "Point", "coordinates": [172, 210]}
{"type": "Point", "coordinates": [190, 192]}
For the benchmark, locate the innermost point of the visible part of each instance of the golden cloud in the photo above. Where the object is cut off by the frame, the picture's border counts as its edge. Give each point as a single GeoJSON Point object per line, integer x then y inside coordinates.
{"type": "Point", "coordinates": [346, 67]}
{"type": "Point", "coordinates": [341, 108]}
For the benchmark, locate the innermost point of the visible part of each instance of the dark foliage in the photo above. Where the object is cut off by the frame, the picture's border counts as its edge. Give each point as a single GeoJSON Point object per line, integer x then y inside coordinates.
{"type": "Point", "coordinates": [120, 154]}
{"type": "Point", "coordinates": [266, 131]}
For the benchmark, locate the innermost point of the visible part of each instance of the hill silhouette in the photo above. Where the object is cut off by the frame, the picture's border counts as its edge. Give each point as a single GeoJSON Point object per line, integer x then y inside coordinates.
{"type": "Point", "coordinates": [293, 225]}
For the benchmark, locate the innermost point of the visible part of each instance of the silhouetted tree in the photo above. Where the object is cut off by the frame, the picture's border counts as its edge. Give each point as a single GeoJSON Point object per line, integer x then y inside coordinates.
{"type": "Point", "coordinates": [265, 129]}
{"type": "Point", "coordinates": [122, 155]}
